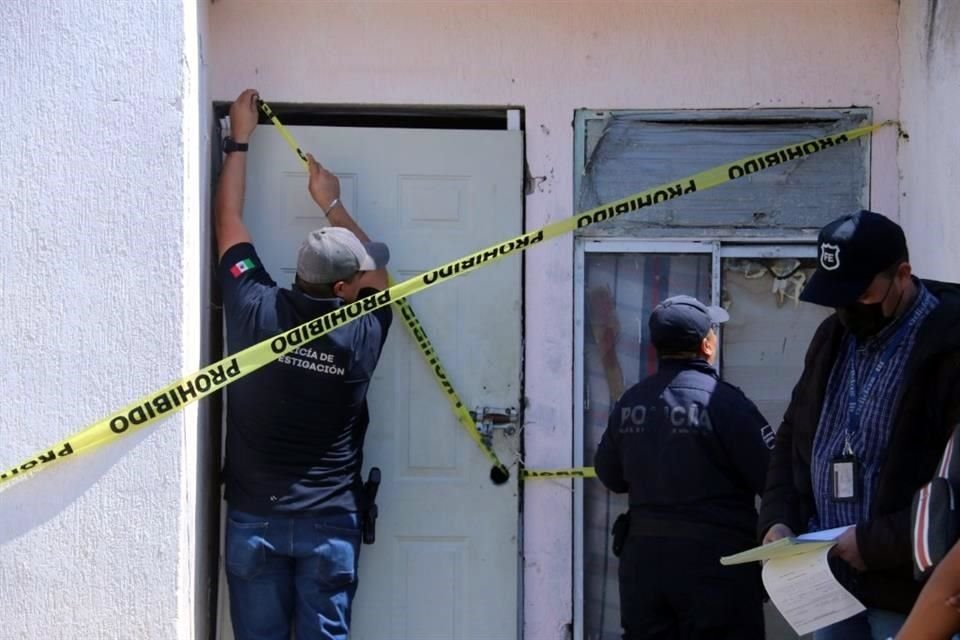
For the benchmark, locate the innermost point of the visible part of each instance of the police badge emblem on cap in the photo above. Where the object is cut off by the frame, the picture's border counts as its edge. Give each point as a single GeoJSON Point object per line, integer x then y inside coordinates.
{"type": "Point", "coordinates": [853, 250]}
{"type": "Point", "coordinates": [829, 256]}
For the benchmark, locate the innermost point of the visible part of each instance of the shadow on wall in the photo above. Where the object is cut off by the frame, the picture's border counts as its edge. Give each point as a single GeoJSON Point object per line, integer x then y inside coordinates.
{"type": "Point", "coordinates": [35, 499]}
{"type": "Point", "coordinates": [943, 20]}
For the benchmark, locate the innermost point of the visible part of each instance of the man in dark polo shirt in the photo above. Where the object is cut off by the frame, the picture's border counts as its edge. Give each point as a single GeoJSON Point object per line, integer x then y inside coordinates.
{"type": "Point", "coordinates": [295, 428]}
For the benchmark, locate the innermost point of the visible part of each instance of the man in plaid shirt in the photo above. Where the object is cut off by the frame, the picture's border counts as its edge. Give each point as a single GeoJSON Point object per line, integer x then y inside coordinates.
{"type": "Point", "coordinates": [869, 417]}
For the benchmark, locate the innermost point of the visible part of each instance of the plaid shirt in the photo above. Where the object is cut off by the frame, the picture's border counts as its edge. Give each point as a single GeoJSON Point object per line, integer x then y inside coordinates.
{"type": "Point", "coordinates": [869, 441]}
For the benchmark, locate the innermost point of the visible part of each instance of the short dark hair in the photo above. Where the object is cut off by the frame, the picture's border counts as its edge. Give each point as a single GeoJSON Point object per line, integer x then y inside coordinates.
{"type": "Point", "coordinates": [892, 269]}
{"type": "Point", "coordinates": [315, 290]}
{"type": "Point", "coordinates": [690, 351]}
{"type": "Point", "coordinates": [677, 354]}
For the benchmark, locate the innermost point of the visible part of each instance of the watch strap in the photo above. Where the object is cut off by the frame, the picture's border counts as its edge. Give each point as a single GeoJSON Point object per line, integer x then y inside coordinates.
{"type": "Point", "coordinates": [230, 145]}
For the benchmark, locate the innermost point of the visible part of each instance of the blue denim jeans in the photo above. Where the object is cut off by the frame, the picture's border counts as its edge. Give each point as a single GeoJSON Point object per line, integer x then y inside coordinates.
{"type": "Point", "coordinates": [291, 572]}
{"type": "Point", "coordinates": [872, 624]}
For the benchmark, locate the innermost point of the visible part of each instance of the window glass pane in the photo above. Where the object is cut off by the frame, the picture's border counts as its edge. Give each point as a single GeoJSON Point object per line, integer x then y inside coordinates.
{"type": "Point", "coordinates": [764, 343]}
{"type": "Point", "coordinates": [621, 289]}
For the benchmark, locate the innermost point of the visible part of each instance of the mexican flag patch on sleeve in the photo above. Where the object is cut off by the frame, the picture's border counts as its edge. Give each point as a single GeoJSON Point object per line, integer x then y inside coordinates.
{"type": "Point", "coordinates": [242, 267]}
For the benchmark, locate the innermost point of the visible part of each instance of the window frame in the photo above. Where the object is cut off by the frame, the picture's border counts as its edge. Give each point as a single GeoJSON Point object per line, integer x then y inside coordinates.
{"type": "Point", "coordinates": [792, 243]}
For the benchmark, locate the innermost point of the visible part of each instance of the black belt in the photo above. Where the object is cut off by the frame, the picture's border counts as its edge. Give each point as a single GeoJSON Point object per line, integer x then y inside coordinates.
{"type": "Point", "coordinates": [643, 526]}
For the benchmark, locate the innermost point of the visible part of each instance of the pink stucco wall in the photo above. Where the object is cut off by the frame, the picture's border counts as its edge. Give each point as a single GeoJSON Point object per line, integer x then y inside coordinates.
{"type": "Point", "coordinates": [929, 168]}
{"type": "Point", "coordinates": [551, 58]}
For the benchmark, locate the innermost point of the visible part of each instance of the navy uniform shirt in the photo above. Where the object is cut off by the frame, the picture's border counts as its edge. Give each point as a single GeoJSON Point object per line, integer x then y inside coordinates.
{"type": "Point", "coordinates": [687, 447]}
{"type": "Point", "coordinates": [295, 428]}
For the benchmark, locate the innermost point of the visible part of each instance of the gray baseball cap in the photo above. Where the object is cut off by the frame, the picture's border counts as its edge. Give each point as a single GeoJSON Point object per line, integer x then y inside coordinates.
{"type": "Point", "coordinates": [332, 254]}
{"type": "Point", "coordinates": [681, 322]}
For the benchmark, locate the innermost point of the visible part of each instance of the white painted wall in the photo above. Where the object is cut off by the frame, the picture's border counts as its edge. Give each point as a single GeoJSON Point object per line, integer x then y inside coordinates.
{"type": "Point", "coordinates": [551, 58]}
{"type": "Point", "coordinates": [930, 102]}
{"type": "Point", "coordinates": [99, 218]}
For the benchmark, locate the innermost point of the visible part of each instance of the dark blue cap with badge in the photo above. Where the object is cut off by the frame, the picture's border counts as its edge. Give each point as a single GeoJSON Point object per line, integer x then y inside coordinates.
{"type": "Point", "coordinates": [680, 323]}
{"type": "Point", "coordinates": [852, 251]}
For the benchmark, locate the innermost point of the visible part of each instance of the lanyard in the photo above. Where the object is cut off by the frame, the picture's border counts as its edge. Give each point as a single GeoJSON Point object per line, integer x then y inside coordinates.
{"type": "Point", "coordinates": [854, 400]}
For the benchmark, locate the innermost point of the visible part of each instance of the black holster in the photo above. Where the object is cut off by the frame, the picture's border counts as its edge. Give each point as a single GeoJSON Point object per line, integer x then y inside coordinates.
{"type": "Point", "coordinates": [620, 531]}
{"type": "Point", "coordinates": [370, 510]}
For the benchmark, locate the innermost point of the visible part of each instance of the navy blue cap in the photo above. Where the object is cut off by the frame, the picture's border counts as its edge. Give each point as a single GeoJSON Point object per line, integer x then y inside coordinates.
{"type": "Point", "coordinates": [852, 251]}
{"type": "Point", "coordinates": [680, 323]}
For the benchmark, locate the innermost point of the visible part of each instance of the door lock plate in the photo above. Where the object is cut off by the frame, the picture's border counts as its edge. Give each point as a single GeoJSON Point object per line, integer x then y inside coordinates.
{"type": "Point", "coordinates": [489, 419]}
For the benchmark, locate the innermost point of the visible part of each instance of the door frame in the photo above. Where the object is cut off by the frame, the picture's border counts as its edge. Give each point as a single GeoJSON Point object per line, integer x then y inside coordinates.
{"type": "Point", "coordinates": [583, 246]}
{"type": "Point", "coordinates": [788, 247]}
{"type": "Point", "coordinates": [779, 244]}
{"type": "Point", "coordinates": [440, 117]}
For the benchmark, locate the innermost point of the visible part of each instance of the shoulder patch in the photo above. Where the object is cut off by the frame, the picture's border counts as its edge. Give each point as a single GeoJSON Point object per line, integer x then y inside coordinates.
{"type": "Point", "coordinates": [769, 437]}
{"type": "Point", "coordinates": [242, 267]}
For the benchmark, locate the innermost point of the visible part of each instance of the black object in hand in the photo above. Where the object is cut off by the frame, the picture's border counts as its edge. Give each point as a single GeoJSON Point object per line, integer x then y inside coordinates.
{"type": "Point", "coordinates": [370, 510]}
{"type": "Point", "coordinates": [620, 531]}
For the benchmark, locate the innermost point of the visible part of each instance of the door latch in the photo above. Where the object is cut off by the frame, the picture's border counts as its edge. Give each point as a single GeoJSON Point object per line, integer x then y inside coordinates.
{"type": "Point", "coordinates": [488, 418]}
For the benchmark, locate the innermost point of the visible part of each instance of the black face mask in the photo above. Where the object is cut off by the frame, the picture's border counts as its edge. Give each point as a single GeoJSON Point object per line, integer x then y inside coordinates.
{"type": "Point", "coordinates": [866, 320]}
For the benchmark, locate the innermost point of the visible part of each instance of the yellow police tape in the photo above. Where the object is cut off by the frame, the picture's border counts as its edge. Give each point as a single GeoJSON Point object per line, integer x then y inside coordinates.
{"type": "Point", "coordinates": [499, 472]}
{"type": "Point", "coordinates": [214, 377]}
{"type": "Point", "coordinates": [576, 472]}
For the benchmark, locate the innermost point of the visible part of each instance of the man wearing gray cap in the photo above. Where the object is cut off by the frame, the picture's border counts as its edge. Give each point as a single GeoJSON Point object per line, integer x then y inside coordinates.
{"type": "Point", "coordinates": [868, 420]}
{"type": "Point", "coordinates": [295, 428]}
{"type": "Point", "coordinates": [692, 452]}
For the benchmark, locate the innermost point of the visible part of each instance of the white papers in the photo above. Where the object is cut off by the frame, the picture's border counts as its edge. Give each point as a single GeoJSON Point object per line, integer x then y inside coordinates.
{"type": "Point", "coordinates": [798, 578]}
{"type": "Point", "coordinates": [804, 590]}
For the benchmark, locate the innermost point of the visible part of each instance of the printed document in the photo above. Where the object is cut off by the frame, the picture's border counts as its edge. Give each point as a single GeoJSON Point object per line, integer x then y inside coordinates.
{"type": "Point", "coordinates": [797, 576]}
{"type": "Point", "coordinates": [804, 590]}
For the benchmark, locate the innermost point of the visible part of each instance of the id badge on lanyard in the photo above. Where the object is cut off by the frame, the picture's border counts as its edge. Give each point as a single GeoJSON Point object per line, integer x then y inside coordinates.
{"type": "Point", "coordinates": [846, 471]}
{"type": "Point", "coordinates": [845, 475]}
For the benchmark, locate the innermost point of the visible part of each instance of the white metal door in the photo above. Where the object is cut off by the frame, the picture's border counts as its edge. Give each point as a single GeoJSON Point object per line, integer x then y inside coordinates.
{"type": "Point", "coordinates": [445, 562]}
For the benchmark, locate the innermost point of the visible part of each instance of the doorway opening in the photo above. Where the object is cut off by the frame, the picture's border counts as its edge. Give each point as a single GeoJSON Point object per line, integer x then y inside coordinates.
{"type": "Point", "coordinates": [762, 349]}
{"type": "Point", "coordinates": [748, 245]}
{"type": "Point", "coordinates": [435, 183]}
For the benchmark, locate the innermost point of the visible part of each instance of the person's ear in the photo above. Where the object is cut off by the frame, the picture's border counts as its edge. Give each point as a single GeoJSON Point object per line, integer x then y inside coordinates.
{"type": "Point", "coordinates": [707, 347]}
{"type": "Point", "coordinates": [904, 271]}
